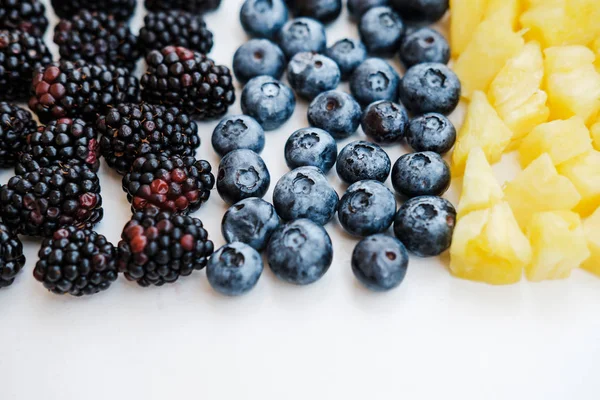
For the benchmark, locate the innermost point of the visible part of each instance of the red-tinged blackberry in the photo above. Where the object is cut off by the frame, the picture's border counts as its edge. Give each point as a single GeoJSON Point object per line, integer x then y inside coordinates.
{"type": "Point", "coordinates": [195, 6]}
{"type": "Point", "coordinates": [12, 259]}
{"type": "Point", "coordinates": [98, 38]}
{"type": "Point", "coordinates": [189, 80]}
{"type": "Point", "coordinates": [158, 247]}
{"type": "Point", "coordinates": [168, 183]}
{"type": "Point", "coordinates": [38, 201]}
{"type": "Point", "coordinates": [76, 261]}
{"type": "Point", "coordinates": [25, 15]}
{"type": "Point", "coordinates": [175, 28]}
{"type": "Point", "coordinates": [20, 55]}
{"type": "Point", "coordinates": [121, 9]}
{"type": "Point", "coordinates": [80, 90]}
{"type": "Point", "coordinates": [15, 125]}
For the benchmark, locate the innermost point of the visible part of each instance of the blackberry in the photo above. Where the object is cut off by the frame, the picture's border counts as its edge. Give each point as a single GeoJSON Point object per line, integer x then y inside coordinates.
{"type": "Point", "coordinates": [25, 15]}
{"type": "Point", "coordinates": [76, 261]}
{"type": "Point", "coordinates": [16, 124]}
{"type": "Point", "coordinates": [177, 28]}
{"type": "Point", "coordinates": [81, 90]}
{"type": "Point", "coordinates": [37, 201]}
{"type": "Point", "coordinates": [121, 9]}
{"type": "Point", "coordinates": [194, 6]}
{"type": "Point", "coordinates": [12, 259]}
{"type": "Point", "coordinates": [20, 55]}
{"type": "Point", "coordinates": [189, 80]}
{"type": "Point", "coordinates": [169, 183]}
{"type": "Point", "coordinates": [159, 247]}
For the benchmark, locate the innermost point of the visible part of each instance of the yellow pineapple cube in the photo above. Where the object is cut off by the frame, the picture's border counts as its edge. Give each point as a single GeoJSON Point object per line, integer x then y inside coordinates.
{"type": "Point", "coordinates": [504, 12]}
{"type": "Point", "coordinates": [466, 15]}
{"type": "Point", "coordinates": [591, 228]}
{"type": "Point", "coordinates": [558, 243]}
{"type": "Point", "coordinates": [488, 246]}
{"type": "Point", "coordinates": [595, 132]}
{"type": "Point", "coordinates": [480, 189]}
{"type": "Point", "coordinates": [596, 49]}
{"type": "Point", "coordinates": [584, 173]}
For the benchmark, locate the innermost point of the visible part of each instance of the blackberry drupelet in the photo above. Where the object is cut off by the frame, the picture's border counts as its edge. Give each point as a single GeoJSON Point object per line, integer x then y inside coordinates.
{"type": "Point", "coordinates": [175, 28]}
{"type": "Point", "coordinates": [24, 15]}
{"type": "Point", "coordinates": [12, 259]}
{"type": "Point", "coordinates": [20, 55]}
{"type": "Point", "coordinates": [121, 9]}
{"type": "Point", "coordinates": [80, 90]}
{"type": "Point", "coordinates": [38, 201]}
{"type": "Point", "coordinates": [77, 262]}
{"type": "Point", "coordinates": [168, 183]}
{"type": "Point", "coordinates": [194, 6]}
{"type": "Point", "coordinates": [16, 124]}
{"type": "Point", "coordinates": [159, 247]}
{"type": "Point", "coordinates": [129, 131]}
{"type": "Point", "coordinates": [189, 80]}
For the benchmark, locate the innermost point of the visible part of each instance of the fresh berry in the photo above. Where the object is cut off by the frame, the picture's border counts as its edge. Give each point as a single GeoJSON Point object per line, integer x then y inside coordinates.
{"type": "Point", "coordinates": [258, 57]}
{"type": "Point", "coordinates": [421, 174]}
{"type": "Point", "coordinates": [24, 15]}
{"type": "Point", "coordinates": [311, 147]}
{"type": "Point", "coordinates": [367, 207]}
{"type": "Point", "coordinates": [425, 225]}
{"type": "Point", "coordinates": [360, 161]}
{"type": "Point", "coordinates": [168, 183]}
{"type": "Point", "coordinates": [238, 132]}
{"type": "Point", "coordinates": [300, 252]}
{"type": "Point", "coordinates": [385, 122]}
{"type": "Point", "coordinates": [121, 9]}
{"type": "Point", "coordinates": [357, 8]}
{"type": "Point", "coordinates": [431, 132]}
{"type": "Point", "coordinates": [381, 30]}
{"type": "Point", "coordinates": [322, 10]}
{"type": "Point", "coordinates": [268, 101]}
{"type": "Point", "coordinates": [263, 18]}
{"type": "Point", "coordinates": [12, 259]}
{"type": "Point", "coordinates": [159, 247]}
{"type": "Point", "coordinates": [430, 87]}
{"type": "Point", "coordinates": [310, 74]}
{"type": "Point", "coordinates": [305, 193]}
{"type": "Point", "coordinates": [234, 269]}
{"type": "Point", "coordinates": [193, 6]}
{"type": "Point", "coordinates": [302, 35]}
{"type": "Point", "coordinates": [421, 11]}
{"type": "Point", "coordinates": [336, 112]}
{"type": "Point", "coordinates": [380, 262]}
{"type": "Point", "coordinates": [16, 124]}
{"type": "Point", "coordinates": [374, 80]}
{"type": "Point", "coordinates": [242, 174]}
{"type": "Point", "coordinates": [424, 45]}
{"type": "Point", "coordinates": [129, 131]}
{"type": "Point", "coordinates": [77, 262]}
{"type": "Point", "coordinates": [251, 221]}
{"type": "Point", "coordinates": [348, 55]}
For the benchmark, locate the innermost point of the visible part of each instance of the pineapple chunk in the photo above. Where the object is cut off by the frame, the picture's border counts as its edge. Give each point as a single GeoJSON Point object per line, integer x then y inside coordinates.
{"type": "Point", "coordinates": [596, 49]}
{"type": "Point", "coordinates": [482, 128]}
{"type": "Point", "coordinates": [591, 227]}
{"type": "Point", "coordinates": [558, 243]}
{"type": "Point", "coordinates": [488, 246]}
{"type": "Point", "coordinates": [595, 131]}
{"type": "Point", "coordinates": [504, 12]}
{"type": "Point", "coordinates": [584, 172]}
{"type": "Point", "coordinates": [466, 15]}
{"type": "Point", "coordinates": [540, 188]}
{"type": "Point", "coordinates": [480, 189]}
{"type": "Point", "coordinates": [562, 140]}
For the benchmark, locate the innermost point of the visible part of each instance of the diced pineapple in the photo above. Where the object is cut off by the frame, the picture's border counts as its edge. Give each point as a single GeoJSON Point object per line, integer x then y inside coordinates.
{"type": "Point", "coordinates": [482, 128]}
{"type": "Point", "coordinates": [504, 12]}
{"type": "Point", "coordinates": [488, 246]}
{"type": "Point", "coordinates": [584, 172]}
{"type": "Point", "coordinates": [558, 243]}
{"type": "Point", "coordinates": [591, 228]}
{"type": "Point", "coordinates": [595, 132]}
{"type": "Point", "coordinates": [480, 189]}
{"type": "Point", "coordinates": [562, 140]}
{"type": "Point", "coordinates": [466, 15]}
{"type": "Point", "coordinates": [540, 188]}
{"type": "Point", "coordinates": [596, 49]}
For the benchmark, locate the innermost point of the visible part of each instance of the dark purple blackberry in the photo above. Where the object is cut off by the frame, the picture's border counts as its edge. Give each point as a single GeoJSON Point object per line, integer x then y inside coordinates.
{"type": "Point", "coordinates": [129, 131]}
{"type": "Point", "coordinates": [121, 9]}
{"type": "Point", "coordinates": [15, 125]}
{"type": "Point", "coordinates": [158, 247]}
{"type": "Point", "coordinates": [168, 183]}
{"type": "Point", "coordinates": [12, 259]}
{"type": "Point", "coordinates": [38, 201]}
{"type": "Point", "coordinates": [188, 80]}
{"type": "Point", "coordinates": [24, 15]}
{"type": "Point", "coordinates": [98, 38]}
{"type": "Point", "coordinates": [175, 28]}
{"type": "Point", "coordinates": [77, 262]}
{"type": "Point", "coordinates": [80, 90]}
{"type": "Point", "coordinates": [195, 6]}
{"type": "Point", "coordinates": [20, 55]}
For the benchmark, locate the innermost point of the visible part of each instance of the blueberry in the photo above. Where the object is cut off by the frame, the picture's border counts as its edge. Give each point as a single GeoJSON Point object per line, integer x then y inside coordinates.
{"type": "Point", "coordinates": [238, 132]}
{"type": "Point", "coordinates": [424, 45]}
{"type": "Point", "coordinates": [234, 269]}
{"type": "Point", "coordinates": [311, 147]}
{"type": "Point", "coordinates": [381, 31]}
{"type": "Point", "coordinates": [251, 221]}
{"type": "Point", "coordinates": [425, 225]}
{"type": "Point", "coordinates": [336, 112]}
{"type": "Point", "coordinates": [367, 207]}
{"type": "Point", "coordinates": [380, 262]}
{"type": "Point", "coordinates": [268, 101]}
{"type": "Point", "coordinates": [258, 57]}
{"type": "Point", "coordinates": [385, 122]}
{"type": "Point", "coordinates": [305, 193]}
{"type": "Point", "coordinates": [431, 132]}
{"type": "Point", "coordinates": [310, 74]}
{"type": "Point", "coordinates": [424, 12]}
{"type": "Point", "coordinates": [348, 54]}
{"type": "Point", "coordinates": [300, 252]}
{"type": "Point", "coordinates": [374, 80]}
{"type": "Point", "coordinates": [242, 174]}
{"type": "Point", "coordinates": [302, 34]}
{"type": "Point", "coordinates": [421, 174]}
{"type": "Point", "coordinates": [322, 10]}
{"type": "Point", "coordinates": [360, 161]}
{"type": "Point", "coordinates": [430, 87]}
{"type": "Point", "coordinates": [263, 18]}
{"type": "Point", "coordinates": [358, 7]}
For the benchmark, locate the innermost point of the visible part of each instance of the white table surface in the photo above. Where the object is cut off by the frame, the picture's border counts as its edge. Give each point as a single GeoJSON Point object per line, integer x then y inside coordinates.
{"type": "Point", "coordinates": [434, 337]}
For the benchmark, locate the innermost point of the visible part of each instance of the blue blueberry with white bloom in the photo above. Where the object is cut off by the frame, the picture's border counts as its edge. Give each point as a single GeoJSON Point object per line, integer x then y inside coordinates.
{"type": "Point", "coordinates": [242, 174]}
{"type": "Point", "coordinates": [311, 147]}
{"type": "Point", "coordinates": [431, 132]}
{"type": "Point", "coordinates": [422, 12]}
{"type": "Point", "coordinates": [374, 80]}
{"type": "Point", "coordinates": [424, 45]}
{"type": "Point", "coordinates": [336, 112]}
{"type": "Point", "coordinates": [367, 208]}
{"type": "Point", "coordinates": [234, 269]}
{"type": "Point", "coordinates": [258, 57]}
{"type": "Point", "coordinates": [381, 30]}
{"type": "Point", "coordinates": [251, 221]}
{"type": "Point", "coordinates": [268, 101]}
{"type": "Point", "coordinates": [348, 54]}
{"type": "Point", "coordinates": [380, 262]}
{"type": "Point", "coordinates": [263, 18]}
{"type": "Point", "coordinates": [360, 161]}
{"type": "Point", "coordinates": [323, 10]}
{"type": "Point", "coordinates": [310, 74]}
{"type": "Point", "coordinates": [238, 132]}
{"type": "Point", "coordinates": [358, 7]}
{"type": "Point", "coordinates": [302, 34]}
{"type": "Point", "coordinates": [430, 87]}
{"type": "Point", "coordinates": [385, 122]}
{"type": "Point", "coordinates": [421, 174]}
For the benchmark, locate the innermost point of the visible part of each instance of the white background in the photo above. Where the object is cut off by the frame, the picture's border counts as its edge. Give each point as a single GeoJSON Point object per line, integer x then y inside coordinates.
{"type": "Point", "coordinates": [434, 337]}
